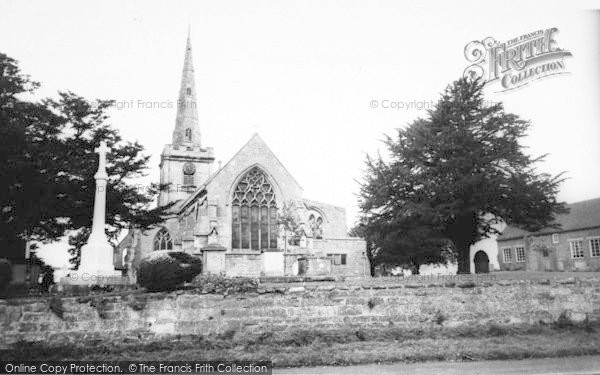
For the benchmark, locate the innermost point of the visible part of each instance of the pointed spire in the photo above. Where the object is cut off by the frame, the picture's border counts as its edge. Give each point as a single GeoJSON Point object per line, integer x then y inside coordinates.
{"type": "Point", "coordinates": [187, 129]}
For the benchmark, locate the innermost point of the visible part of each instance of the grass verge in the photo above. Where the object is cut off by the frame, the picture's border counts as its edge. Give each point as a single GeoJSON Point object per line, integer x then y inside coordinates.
{"type": "Point", "coordinates": [337, 347]}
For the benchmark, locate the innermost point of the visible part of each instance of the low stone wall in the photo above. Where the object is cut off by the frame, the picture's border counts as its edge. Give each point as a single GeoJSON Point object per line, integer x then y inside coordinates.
{"type": "Point", "coordinates": [146, 316]}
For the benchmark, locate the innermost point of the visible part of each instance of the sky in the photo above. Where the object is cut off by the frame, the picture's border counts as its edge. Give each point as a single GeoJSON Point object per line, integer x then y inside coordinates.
{"type": "Point", "coordinates": [305, 75]}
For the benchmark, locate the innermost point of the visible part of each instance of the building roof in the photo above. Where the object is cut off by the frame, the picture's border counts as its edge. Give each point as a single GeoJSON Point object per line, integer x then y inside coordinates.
{"type": "Point", "coordinates": [182, 205]}
{"type": "Point", "coordinates": [581, 215]}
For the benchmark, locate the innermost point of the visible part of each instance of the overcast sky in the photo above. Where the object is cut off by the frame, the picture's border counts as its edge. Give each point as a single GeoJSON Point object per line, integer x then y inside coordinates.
{"type": "Point", "coordinates": [303, 74]}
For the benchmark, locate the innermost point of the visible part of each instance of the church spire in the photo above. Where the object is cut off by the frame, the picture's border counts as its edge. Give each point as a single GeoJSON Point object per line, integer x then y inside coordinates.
{"type": "Point", "coordinates": [187, 129]}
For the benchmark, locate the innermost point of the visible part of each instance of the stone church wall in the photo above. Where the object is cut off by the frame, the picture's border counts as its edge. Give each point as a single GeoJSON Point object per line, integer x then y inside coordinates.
{"type": "Point", "coordinates": [335, 226]}
{"type": "Point", "coordinates": [254, 153]}
{"type": "Point", "coordinates": [357, 264]}
{"type": "Point", "coordinates": [149, 316]}
{"type": "Point", "coordinates": [243, 264]}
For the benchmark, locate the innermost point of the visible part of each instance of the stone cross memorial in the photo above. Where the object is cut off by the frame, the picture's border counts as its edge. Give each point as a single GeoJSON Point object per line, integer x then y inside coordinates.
{"type": "Point", "coordinates": [96, 265]}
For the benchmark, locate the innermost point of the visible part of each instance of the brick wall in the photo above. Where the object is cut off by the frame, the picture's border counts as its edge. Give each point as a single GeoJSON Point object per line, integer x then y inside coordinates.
{"type": "Point", "coordinates": [150, 315]}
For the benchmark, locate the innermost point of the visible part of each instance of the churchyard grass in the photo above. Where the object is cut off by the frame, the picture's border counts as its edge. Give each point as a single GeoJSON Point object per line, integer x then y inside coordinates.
{"type": "Point", "coordinates": [341, 347]}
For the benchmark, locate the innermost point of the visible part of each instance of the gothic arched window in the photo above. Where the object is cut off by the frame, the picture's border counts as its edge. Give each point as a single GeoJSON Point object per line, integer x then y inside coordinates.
{"type": "Point", "coordinates": [188, 135]}
{"type": "Point", "coordinates": [163, 240]}
{"type": "Point", "coordinates": [319, 228]}
{"type": "Point", "coordinates": [188, 91]}
{"type": "Point", "coordinates": [254, 213]}
{"type": "Point", "coordinates": [316, 226]}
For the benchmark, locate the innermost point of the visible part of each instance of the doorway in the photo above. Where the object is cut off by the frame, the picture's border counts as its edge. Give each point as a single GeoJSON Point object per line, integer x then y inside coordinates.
{"type": "Point", "coordinates": [482, 262]}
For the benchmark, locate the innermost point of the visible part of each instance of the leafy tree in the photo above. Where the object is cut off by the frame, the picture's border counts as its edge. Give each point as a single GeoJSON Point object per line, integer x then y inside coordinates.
{"type": "Point", "coordinates": [452, 176]}
{"type": "Point", "coordinates": [402, 242]}
{"type": "Point", "coordinates": [26, 130]}
{"type": "Point", "coordinates": [289, 222]}
{"type": "Point", "coordinates": [47, 178]}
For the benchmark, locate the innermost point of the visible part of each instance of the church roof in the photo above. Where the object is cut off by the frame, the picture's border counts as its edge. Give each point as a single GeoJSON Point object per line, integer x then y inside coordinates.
{"type": "Point", "coordinates": [581, 215]}
{"type": "Point", "coordinates": [254, 139]}
{"type": "Point", "coordinates": [311, 202]}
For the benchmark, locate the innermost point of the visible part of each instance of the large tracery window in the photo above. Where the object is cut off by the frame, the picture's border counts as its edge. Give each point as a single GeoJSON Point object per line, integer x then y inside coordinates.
{"type": "Point", "coordinates": [254, 213]}
{"type": "Point", "coordinates": [163, 240]}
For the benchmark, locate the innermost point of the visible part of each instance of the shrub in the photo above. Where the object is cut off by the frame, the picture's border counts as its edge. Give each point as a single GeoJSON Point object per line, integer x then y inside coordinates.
{"type": "Point", "coordinates": [564, 320]}
{"type": "Point", "coordinates": [439, 317]}
{"type": "Point", "coordinates": [5, 273]}
{"type": "Point", "coordinates": [165, 270]}
{"type": "Point", "coordinates": [221, 284]}
{"type": "Point", "coordinates": [495, 330]}
{"type": "Point", "coordinates": [101, 305]}
{"type": "Point", "coordinates": [371, 303]}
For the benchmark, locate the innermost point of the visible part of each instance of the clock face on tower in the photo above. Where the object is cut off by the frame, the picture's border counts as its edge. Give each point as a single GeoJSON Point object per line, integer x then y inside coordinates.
{"type": "Point", "coordinates": [189, 168]}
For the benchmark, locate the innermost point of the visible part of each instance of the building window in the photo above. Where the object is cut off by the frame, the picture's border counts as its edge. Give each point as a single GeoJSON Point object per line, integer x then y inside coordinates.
{"type": "Point", "coordinates": [576, 249]}
{"type": "Point", "coordinates": [316, 226]}
{"type": "Point", "coordinates": [338, 259]}
{"type": "Point", "coordinates": [188, 135]}
{"type": "Point", "coordinates": [188, 91]}
{"type": "Point", "coordinates": [319, 229]}
{"type": "Point", "coordinates": [545, 252]}
{"type": "Point", "coordinates": [555, 238]}
{"type": "Point", "coordinates": [163, 240]}
{"type": "Point", "coordinates": [520, 254]}
{"type": "Point", "coordinates": [595, 247]}
{"type": "Point", "coordinates": [507, 255]}
{"type": "Point", "coordinates": [254, 213]}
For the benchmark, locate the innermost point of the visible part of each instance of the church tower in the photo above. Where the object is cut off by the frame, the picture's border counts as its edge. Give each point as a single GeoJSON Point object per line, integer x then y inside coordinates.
{"type": "Point", "coordinates": [184, 164]}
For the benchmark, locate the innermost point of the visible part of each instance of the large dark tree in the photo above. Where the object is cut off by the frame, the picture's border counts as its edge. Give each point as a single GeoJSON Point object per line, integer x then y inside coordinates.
{"type": "Point", "coordinates": [48, 166]}
{"type": "Point", "coordinates": [451, 176]}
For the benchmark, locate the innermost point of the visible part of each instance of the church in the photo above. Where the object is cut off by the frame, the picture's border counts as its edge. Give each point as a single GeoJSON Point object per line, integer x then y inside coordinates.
{"type": "Point", "coordinates": [231, 216]}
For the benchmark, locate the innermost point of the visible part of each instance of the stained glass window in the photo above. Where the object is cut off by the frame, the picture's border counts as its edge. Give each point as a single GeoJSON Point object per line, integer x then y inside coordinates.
{"type": "Point", "coordinates": [254, 213]}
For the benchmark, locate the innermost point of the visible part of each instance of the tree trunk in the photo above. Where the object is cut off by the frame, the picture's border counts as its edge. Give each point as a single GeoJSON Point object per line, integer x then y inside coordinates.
{"type": "Point", "coordinates": [414, 267]}
{"type": "Point", "coordinates": [371, 259]}
{"type": "Point", "coordinates": [462, 232]}
{"type": "Point", "coordinates": [463, 260]}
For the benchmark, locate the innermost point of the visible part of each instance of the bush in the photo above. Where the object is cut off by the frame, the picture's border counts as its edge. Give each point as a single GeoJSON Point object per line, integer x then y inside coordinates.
{"type": "Point", "coordinates": [221, 284]}
{"type": "Point", "coordinates": [5, 273]}
{"type": "Point", "coordinates": [165, 270]}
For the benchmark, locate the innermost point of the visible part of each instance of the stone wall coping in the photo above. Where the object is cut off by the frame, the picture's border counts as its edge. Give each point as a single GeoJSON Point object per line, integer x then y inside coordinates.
{"type": "Point", "coordinates": [306, 287]}
{"type": "Point", "coordinates": [339, 239]}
